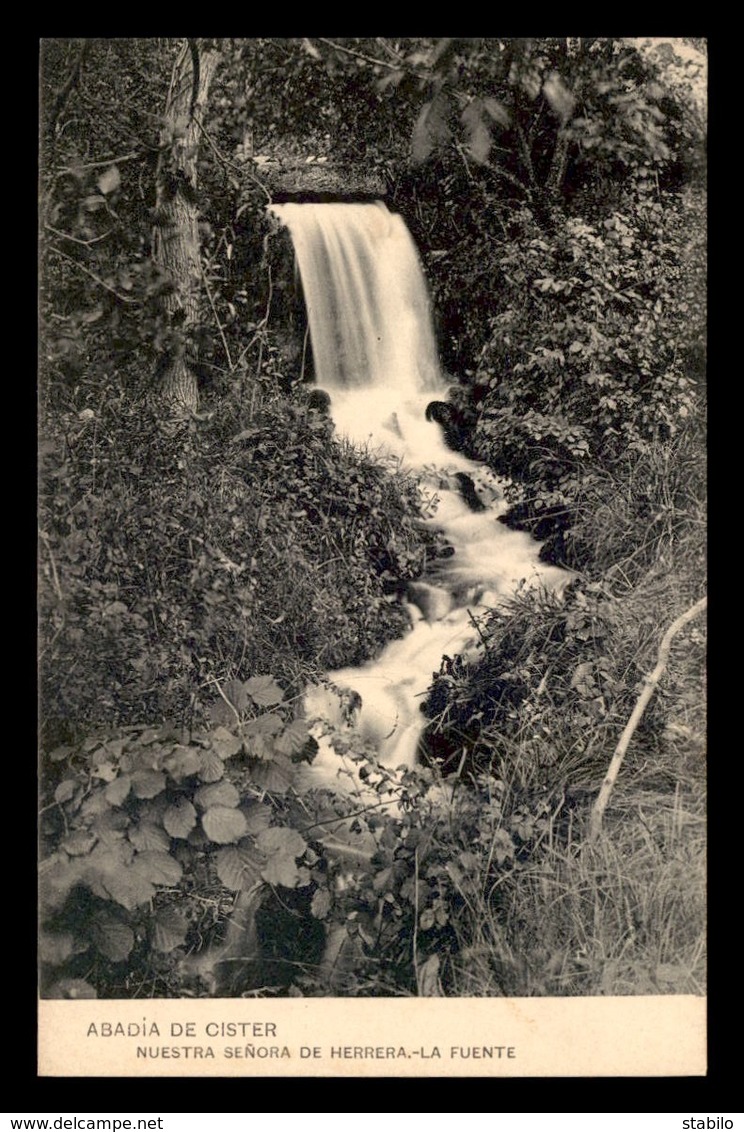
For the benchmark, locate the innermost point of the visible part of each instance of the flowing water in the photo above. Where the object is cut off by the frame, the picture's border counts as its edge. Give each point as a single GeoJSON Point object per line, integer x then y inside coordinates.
{"type": "Point", "coordinates": [374, 353]}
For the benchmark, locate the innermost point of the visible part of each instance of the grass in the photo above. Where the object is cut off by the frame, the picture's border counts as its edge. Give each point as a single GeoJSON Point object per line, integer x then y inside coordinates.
{"type": "Point", "coordinates": [543, 709]}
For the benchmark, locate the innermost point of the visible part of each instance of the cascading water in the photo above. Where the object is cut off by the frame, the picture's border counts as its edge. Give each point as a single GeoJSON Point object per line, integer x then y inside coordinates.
{"type": "Point", "coordinates": [375, 355]}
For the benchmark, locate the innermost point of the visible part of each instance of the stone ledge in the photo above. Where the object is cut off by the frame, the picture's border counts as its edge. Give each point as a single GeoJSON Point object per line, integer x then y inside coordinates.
{"type": "Point", "coordinates": [316, 180]}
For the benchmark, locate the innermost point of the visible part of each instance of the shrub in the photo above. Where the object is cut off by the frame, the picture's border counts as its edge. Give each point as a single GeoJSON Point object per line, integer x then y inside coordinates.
{"type": "Point", "coordinates": [248, 541]}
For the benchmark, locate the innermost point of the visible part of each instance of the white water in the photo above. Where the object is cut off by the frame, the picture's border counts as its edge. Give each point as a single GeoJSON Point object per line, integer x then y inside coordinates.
{"type": "Point", "coordinates": [374, 353]}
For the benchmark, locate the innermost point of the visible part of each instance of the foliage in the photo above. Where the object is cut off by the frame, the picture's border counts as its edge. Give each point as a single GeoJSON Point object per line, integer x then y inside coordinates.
{"type": "Point", "coordinates": [145, 831]}
{"type": "Point", "coordinates": [594, 352]}
{"type": "Point", "coordinates": [174, 559]}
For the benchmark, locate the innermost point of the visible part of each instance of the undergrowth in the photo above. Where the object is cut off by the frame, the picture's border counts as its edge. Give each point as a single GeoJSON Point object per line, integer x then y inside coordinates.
{"type": "Point", "coordinates": [250, 540]}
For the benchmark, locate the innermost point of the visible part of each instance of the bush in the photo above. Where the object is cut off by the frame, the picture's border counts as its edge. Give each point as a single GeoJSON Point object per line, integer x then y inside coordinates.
{"type": "Point", "coordinates": [246, 542]}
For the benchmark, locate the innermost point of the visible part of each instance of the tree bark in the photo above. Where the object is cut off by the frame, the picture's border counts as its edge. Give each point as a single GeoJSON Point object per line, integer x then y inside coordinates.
{"type": "Point", "coordinates": [176, 240]}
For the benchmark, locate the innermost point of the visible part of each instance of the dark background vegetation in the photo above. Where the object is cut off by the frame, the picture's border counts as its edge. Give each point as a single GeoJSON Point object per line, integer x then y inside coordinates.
{"type": "Point", "coordinates": [201, 564]}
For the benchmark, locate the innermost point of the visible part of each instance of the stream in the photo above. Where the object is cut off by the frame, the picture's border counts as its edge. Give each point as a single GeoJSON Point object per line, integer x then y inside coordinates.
{"type": "Point", "coordinates": [374, 353]}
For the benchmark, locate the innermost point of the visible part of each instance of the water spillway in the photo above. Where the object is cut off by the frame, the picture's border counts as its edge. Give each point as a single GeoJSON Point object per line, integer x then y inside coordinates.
{"type": "Point", "coordinates": [374, 353]}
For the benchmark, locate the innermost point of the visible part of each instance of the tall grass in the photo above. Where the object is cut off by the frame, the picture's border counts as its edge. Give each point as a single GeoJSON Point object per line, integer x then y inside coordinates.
{"type": "Point", "coordinates": [551, 693]}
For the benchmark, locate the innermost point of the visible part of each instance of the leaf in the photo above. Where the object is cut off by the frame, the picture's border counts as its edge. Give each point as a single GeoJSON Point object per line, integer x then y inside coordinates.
{"type": "Point", "coordinates": [212, 767]}
{"type": "Point", "coordinates": [266, 725]}
{"type": "Point", "coordinates": [293, 739]}
{"type": "Point", "coordinates": [57, 876]}
{"type": "Point", "coordinates": [169, 931]}
{"type": "Point", "coordinates": [110, 180]}
{"type": "Point", "coordinates": [80, 843]}
{"type": "Point", "coordinates": [117, 791]}
{"type": "Point", "coordinates": [55, 947]}
{"type": "Point", "coordinates": [559, 97]}
{"type": "Point", "coordinates": [320, 905]}
{"type": "Point", "coordinates": [65, 790]}
{"type": "Point", "coordinates": [257, 816]}
{"type": "Point", "coordinates": [281, 839]}
{"type": "Point", "coordinates": [235, 692]}
{"type": "Point", "coordinates": [276, 776]}
{"type": "Point", "coordinates": [182, 762]}
{"type": "Point", "coordinates": [113, 938]}
{"type": "Point", "coordinates": [264, 691]}
{"type": "Point", "coordinates": [281, 870]}
{"type": "Point", "coordinates": [110, 827]}
{"type": "Point", "coordinates": [180, 818]}
{"type": "Point", "coordinates": [239, 867]}
{"type": "Point", "coordinates": [60, 753]}
{"type": "Point", "coordinates": [218, 794]}
{"type": "Point", "coordinates": [157, 868]}
{"type": "Point", "coordinates": [147, 837]}
{"type": "Point", "coordinates": [124, 885]}
{"type": "Point", "coordinates": [497, 111]}
{"type": "Point", "coordinates": [225, 744]}
{"type": "Point", "coordinates": [148, 783]}
{"type": "Point", "coordinates": [223, 824]}
{"type": "Point", "coordinates": [105, 770]}
{"type": "Point", "coordinates": [477, 131]}
{"type": "Point", "coordinates": [431, 129]}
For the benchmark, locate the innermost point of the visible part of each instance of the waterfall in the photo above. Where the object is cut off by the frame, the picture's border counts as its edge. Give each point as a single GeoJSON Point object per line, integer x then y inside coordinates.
{"type": "Point", "coordinates": [375, 355]}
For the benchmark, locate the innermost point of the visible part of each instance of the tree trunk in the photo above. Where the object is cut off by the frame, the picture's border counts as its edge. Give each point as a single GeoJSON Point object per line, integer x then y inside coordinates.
{"type": "Point", "coordinates": [176, 241]}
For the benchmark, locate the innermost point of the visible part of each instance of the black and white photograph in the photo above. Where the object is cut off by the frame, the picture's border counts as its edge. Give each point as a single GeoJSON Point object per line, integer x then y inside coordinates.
{"type": "Point", "coordinates": [372, 553]}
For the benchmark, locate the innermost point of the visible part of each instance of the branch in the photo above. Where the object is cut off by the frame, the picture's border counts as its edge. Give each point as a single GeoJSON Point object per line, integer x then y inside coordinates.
{"type": "Point", "coordinates": [649, 686]}
{"type": "Point", "coordinates": [76, 239]}
{"type": "Point", "coordinates": [225, 346]}
{"type": "Point", "coordinates": [96, 278]}
{"type": "Point", "coordinates": [366, 58]}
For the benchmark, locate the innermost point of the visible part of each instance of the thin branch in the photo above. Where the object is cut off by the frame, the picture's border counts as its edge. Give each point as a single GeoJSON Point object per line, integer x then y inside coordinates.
{"type": "Point", "coordinates": [76, 239]}
{"type": "Point", "coordinates": [649, 686]}
{"type": "Point", "coordinates": [55, 576]}
{"type": "Point", "coordinates": [367, 58]}
{"type": "Point", "coordinates": [225, 346]}
{"type": "Point", "coordinates": [92, 274]}
{"type": "Point", "coordinates": [100, 164]}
